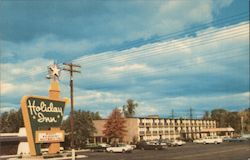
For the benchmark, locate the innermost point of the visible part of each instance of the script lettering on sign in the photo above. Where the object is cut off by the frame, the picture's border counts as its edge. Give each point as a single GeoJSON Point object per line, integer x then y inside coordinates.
{"type": "Point", "coordinates": [37, 111]}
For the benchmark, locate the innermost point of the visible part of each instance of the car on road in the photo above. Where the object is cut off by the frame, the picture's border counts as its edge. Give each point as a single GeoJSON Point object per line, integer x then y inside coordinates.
{"type": "Point", "coordinates": [173, 143]}
{"type": "Point", "coordinates": [120, 147]}
{"type": "Point", "coordinates": [209, 139]}
{"type": "Point", "coordinates": [149, 145]}
{"type": "Point", "coordinates": [234, 139]}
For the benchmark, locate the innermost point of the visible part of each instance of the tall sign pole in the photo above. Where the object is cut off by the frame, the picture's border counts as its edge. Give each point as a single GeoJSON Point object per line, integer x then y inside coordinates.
{"type": "Point", "coordinates": [71, 70]}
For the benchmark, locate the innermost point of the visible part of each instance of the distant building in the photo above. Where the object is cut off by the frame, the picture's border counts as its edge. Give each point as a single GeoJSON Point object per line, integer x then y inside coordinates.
{"type": "Point", "coordinates": [153, 127]}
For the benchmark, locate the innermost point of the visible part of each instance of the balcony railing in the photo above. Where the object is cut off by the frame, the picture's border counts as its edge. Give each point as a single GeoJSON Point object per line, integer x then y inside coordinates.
{"type": "Point", "coordinates": [148, 125]}
{"type": "Point", "coordinates": [155, 133]}
{"type": "Point", "coordinates": [160, 125]}
{"type": "Point", "coordinates": [154, 125]}
{"type": "Point", "coordinates": [142, 133]}
{"type": "Point", "coordinates": [148, 133]}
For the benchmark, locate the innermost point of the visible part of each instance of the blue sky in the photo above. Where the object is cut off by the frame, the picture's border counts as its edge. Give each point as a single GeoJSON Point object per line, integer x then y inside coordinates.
{"type": "Point", "coordinates": [163, 54]}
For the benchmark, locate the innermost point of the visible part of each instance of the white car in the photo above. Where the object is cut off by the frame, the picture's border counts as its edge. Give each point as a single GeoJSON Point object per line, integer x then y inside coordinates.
{"type": "Point", "coordinates": [210, 139]}
{"type": "Point", "coordinates": [120, 148]}
{"type": "Point", "coordinates": [179, 142]}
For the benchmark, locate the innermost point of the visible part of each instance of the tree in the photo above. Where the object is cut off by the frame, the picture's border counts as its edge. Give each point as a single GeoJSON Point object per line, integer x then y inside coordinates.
{"type": "Point", "coordinates": [114, 128]}
{"type": "Point", "coordinates": [11, 121]}
{"type": "Point", "coordinates": [83, 127]}
{"type": "Point", "coordinates": [220, 115]}
{"type": "Point", "coordinates": [245, 115]}
{"type": "Point", "coordinates": [129, 108]}
{"type": "Point", "coordinates": [95, 115]}
{"type": "Point", "coordinates": [233, 119]}
{"type": "Point", "coordinates": [225, 118]}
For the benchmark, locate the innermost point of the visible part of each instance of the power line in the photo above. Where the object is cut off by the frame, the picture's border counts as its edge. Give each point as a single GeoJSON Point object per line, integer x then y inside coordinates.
{"type": "Point", "coordinates": [207, 42]}
{"type": "Point", "coordinates": [223, 20]}
{"type": "Point", "coordinates": [212, 58]}
{"type": "Point", "coordinates": [166, 48]}
{"type": "Point", "coordinates": [193, 29]}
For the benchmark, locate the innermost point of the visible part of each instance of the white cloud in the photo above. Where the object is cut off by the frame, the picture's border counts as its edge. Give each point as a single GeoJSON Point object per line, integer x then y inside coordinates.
{"type": "Point", "coordinates": [26, 68]}
{"type": "Point", "coordinates": [6, 87]}
{"type": "Point", "coordinates": [129, 68]}
{"type": "Point", "coordinates": [10, 89]}
{"type": "Point", "coordinates": [88, 98]}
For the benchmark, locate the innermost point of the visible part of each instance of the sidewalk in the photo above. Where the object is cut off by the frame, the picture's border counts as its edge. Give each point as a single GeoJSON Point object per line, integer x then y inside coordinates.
{"type": "Point", "coordinates": [15, 157]}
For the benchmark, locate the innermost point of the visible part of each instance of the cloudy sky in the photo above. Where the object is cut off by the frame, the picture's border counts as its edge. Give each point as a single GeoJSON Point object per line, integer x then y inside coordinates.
{"type": "Point", "coordinates": [164, 54]}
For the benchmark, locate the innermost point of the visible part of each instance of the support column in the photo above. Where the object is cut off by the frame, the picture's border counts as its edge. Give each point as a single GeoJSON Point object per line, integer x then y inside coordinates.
{"type": "Point", "coordinates": [54, 93]}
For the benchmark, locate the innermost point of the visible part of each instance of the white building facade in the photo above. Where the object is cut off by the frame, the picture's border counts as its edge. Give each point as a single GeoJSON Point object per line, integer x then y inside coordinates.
{"type": "Point", "coordinates": [162, 128]}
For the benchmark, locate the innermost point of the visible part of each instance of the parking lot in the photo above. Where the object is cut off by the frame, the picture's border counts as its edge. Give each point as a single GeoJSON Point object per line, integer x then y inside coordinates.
{"type": "Point", "coordinates": [190, 151]}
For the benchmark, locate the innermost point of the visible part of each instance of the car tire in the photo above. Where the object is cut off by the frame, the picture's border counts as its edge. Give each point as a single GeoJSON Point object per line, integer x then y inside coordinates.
{"type": "Point", "coordinates": [215, 142]}
{"type": "Point", "coordinates": [123, 151]}
{"type": "Point", "coordinates": [204, 143]}
{"type": "Point", "coordinates": [142, 148]}
{"type": "Point", "coordinates": [111, 151]}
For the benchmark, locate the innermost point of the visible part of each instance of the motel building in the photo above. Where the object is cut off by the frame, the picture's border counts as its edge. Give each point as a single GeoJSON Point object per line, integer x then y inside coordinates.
{"type": "Point", "coordinates": [155, 128]}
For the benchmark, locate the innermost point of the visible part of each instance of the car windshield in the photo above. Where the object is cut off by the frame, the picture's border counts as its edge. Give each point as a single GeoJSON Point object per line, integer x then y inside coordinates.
{"type": "Point", "coordinates": [121, 145]}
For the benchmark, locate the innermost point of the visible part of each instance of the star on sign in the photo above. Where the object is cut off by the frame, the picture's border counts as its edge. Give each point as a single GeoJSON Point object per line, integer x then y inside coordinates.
{"type": "Point", "coordinates": [55, 70]}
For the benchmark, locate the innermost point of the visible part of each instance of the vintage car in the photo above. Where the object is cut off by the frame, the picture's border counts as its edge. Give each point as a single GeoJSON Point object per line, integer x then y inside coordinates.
{"type": "Point", "coordinates": [209, 139]}
{"type": "Point", "coordinates": [120, 148]}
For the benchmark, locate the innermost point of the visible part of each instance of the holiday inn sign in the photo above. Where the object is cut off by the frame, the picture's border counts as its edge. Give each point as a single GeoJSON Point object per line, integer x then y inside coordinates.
{"type": "Point", "coordinates": [43, 117]}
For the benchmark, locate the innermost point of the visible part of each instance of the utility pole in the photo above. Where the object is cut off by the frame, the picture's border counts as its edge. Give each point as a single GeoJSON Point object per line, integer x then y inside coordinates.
{"type": "Point", "coordinates": [242, 125]}
{"type": "Point", "coordinates": [71, 70]}
{"type": "Point", "coordinates": [172, 113]}
{"type": "Point", "coordinates": [191, 113]}
{"type": "Point", "coordinates": [191, 117]}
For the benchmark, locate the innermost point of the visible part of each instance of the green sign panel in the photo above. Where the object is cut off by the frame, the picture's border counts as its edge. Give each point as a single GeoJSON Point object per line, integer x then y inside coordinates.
{"type": "Point", "coordinates": [43, 113]}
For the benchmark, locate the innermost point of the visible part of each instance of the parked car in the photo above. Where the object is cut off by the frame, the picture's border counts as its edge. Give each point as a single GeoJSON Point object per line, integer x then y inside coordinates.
{"type": "Point", "coordinates": [209, 139]}
{"type": "Point", "coordinates": [133, 146]}
{"type": "Point", "coordinates": [120, 148]}
{"type": "Point", "coordinates": [234, 139]}
{"type": "Point", "coordinates": [148, 145]}
{"type": "Point", "coordinates": [177, 142]}
{"type": "Point", "coordinates": [97, 147]}
{"type": "Point", "coordinates": [172, 143]}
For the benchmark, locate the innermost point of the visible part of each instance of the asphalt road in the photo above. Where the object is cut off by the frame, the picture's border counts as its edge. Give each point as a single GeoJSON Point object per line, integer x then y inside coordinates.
{"type": "Point", "coordinates": [190, 151]}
